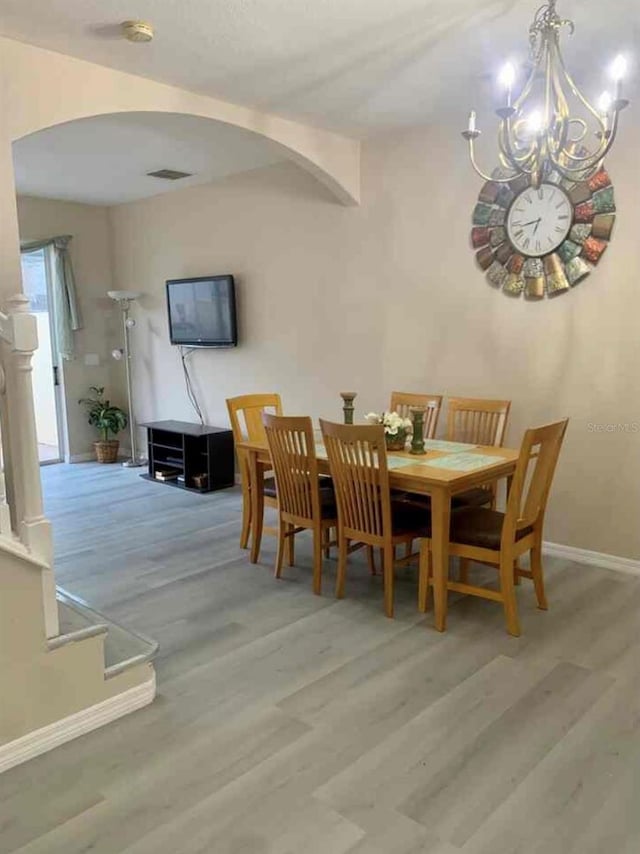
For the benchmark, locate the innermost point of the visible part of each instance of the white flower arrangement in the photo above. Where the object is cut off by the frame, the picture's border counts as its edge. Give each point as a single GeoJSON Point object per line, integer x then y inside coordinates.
{"type": "Point", "coordinates": [391, 421]}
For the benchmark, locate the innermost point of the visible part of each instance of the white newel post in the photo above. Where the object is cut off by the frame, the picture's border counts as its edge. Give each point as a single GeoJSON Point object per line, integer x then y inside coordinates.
{"type": "Point", "coordinates": [33, 529]}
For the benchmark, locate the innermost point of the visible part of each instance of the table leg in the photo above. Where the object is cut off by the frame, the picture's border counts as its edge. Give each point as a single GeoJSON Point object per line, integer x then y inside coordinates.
{"type": "Point", "coordinates": [257, 506]}
{"type": "Point", "coordinates": [440, 522]}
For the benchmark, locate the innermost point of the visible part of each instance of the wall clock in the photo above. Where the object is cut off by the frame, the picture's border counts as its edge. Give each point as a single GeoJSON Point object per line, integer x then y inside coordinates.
{"type": "Point", "coordinates": [542, 240]}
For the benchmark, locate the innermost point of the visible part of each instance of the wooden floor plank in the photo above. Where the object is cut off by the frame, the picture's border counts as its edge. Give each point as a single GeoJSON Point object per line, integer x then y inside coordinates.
{"type": "Point", "coordinates": [288, 723]}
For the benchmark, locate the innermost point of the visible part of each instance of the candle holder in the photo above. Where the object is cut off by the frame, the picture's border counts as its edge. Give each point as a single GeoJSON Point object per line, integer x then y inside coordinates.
{"type": "Point", "coordinates": [348, 398]}
{"type": "Point", "coordinates": [417, 441]}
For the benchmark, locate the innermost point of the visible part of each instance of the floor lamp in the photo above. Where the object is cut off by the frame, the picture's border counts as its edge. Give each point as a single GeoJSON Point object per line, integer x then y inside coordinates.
{"type": "Point", "coordinates": [124, 300]}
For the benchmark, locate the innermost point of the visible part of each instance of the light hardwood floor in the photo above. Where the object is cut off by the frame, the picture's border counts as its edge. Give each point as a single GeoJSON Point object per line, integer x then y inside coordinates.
{"type": "Point", "coordinates": [292, 724]}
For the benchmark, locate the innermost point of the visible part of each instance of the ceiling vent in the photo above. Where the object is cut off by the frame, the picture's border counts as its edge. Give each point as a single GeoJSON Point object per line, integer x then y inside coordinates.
{"type": "Point", "coordinates": [169, 174]}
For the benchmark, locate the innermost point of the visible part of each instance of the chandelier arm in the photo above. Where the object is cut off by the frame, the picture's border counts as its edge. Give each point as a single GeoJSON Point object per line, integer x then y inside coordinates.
{"type": "Point", "coordinates": [575, 173]}
{"type": "Point", "coordinates": [578, 94]}
{"type": "Point", "coordinates": [593, 159]}
{"type": "Point", "coordinates": [548, 83]}
{"type": "Point", "coordinates": [519, 167]}
{"type": "Point", "coordinates": [583, 161]}
{"type": "Point", "coordinates": [505, 147]}
{"type": "Point", "coordinates": [561, 109]}
{"type": "Point", "coordinates": [526, 90]}
{"type": "Point", "coordinates": [483, 175]}
{"type": "Point", "coordinates": [557, 137]}
{"type": "Point", "coordinates": [561, 144]}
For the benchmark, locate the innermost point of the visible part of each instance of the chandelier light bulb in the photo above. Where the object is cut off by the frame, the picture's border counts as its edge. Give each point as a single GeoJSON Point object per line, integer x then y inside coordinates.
{"type": "Point", "coordinates": [507, 75]}
{"type": "Point", "coordinates": [534, 122]}
{"type": "Point", "coordinates": [507, 78]}
{"type": "Point", "coordinates": [618, 68]}
{"type": "Point", "coordinates": [604, 102]}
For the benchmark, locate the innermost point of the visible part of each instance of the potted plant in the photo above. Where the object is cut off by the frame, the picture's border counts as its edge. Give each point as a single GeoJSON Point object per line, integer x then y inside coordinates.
{"type": "Point", "coordinates": [396, 428]}
{"type": "Point", "coordinates": [109, 420]}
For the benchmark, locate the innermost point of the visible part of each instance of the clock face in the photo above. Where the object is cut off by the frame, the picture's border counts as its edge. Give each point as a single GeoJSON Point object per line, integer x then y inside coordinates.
{"type": "Point", "coordinates": [539, 220]}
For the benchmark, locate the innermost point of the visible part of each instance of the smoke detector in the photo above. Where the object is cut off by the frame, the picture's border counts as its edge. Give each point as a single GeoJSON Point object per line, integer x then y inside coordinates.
{"type": "Point", "coordinates": [137, 31]}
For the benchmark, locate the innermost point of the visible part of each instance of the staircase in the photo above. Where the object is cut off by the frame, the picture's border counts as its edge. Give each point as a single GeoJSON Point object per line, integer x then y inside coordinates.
{"type": "Point", "coordinates": [123, 648]}
{"type": "Point", "coordinates": [64, 669]}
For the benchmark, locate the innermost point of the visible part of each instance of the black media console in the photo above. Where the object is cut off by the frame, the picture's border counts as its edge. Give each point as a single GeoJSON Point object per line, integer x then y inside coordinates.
{"type": "Point", "coordinates": [190, 456]}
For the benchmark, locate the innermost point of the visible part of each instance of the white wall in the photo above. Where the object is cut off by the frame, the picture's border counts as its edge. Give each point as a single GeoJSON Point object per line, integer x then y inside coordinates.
{"type": "Point", "coordinates": [90, 252]}
{"type": "Point", "coordinates": [388, 296]}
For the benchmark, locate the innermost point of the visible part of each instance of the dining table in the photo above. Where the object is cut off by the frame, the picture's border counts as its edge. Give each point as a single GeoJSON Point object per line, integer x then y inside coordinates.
{"type": "Point", "coordinates": [446, 469]}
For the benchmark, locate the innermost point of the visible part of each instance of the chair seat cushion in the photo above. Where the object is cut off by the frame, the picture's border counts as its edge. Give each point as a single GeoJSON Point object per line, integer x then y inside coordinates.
{"type": "Point", "coordinates": [409, 518]}
{"type": "Point", "coordinates": [421, 501]}
{"type": "Point", "coordinates": [328, 506]}
{"type": "Point", "coordinates": [269, 487]}
{"type": "Point", "coordinates": [327, 495]}
{"type": "Point", "coordinates": [476, 497]}
{"type": "Point", "coordinates": [478, 526]}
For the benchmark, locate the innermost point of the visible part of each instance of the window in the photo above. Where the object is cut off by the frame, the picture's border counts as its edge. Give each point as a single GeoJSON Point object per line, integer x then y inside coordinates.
{"type": "Point", "coordinates": [34, 280]}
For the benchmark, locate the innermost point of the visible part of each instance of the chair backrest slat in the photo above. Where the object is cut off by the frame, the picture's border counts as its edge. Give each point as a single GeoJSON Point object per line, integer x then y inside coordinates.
{"type": "Point", "coordinates": [293, 455]}
{"type": "Point", "coordinates": [531, 483]}
{"type": "Point", "coordinates": [402, 401]}
{"type": "Point", "coordinates": [358, 463]}
{"type": "Point", "coordinates": [477, 421]}
{"type": "Point", "coordinates": [245, 414]}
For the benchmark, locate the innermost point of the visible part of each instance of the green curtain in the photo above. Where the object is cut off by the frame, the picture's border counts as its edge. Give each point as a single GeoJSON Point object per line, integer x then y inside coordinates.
{"type": "Point", "coordinates": [66, 311]}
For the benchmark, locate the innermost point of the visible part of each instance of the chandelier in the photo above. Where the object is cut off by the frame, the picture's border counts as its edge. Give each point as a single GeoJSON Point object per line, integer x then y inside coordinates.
{"type": "Point", "coordinates": [550, 128]}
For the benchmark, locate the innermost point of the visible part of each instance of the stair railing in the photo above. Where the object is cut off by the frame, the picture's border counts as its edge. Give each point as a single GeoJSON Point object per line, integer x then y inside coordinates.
{"type": "Point", "coordinates": [22, 518]}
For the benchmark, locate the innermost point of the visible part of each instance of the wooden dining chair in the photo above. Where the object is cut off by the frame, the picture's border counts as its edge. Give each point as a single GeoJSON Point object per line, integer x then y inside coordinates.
{"type": "Point", "coordinates": [499, 539]}
{"type": "Point", "coordinates": [477, 422]}
{"type": "Point", "coordinates": [402, 401]}
{"type": "Point", "coordinates": [245, 414]}
{"type": "Point", "coordinates": [366, 514]}
{"type": "Point", "coordinates": [305, 502]}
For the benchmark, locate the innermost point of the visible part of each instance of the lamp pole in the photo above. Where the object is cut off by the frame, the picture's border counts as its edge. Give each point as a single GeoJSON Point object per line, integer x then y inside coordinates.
{"type": "Point", "coordinates": [124, 299]}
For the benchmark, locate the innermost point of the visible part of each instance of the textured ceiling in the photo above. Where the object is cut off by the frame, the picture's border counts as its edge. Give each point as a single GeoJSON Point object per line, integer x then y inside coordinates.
{"type": "Point", "coordinates": [359, 66]}
{"type": "Point", "coordinates": [105, 160]}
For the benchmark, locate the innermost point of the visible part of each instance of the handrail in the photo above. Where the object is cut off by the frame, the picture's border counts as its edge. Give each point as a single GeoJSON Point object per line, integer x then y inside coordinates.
{"type": "Point", "coordinates": [12, 544]}
{"type": "Point", "coordinates": [77, 635]}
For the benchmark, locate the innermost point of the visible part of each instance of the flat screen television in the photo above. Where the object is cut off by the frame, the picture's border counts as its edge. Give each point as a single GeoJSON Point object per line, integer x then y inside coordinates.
{"type": "Point", "coordinates": [202, 312]}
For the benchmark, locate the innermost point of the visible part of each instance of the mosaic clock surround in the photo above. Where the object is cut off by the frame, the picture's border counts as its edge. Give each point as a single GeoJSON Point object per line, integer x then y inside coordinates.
{"type": "Point", "coordinates": [524, 268]}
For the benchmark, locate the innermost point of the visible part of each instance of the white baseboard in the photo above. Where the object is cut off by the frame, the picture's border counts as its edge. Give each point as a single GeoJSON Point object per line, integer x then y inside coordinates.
{"type": "Point", "coordinates": [90, 457]}
{"type": "Point", "coordinates": [81, 458]}
{"type": "Point", "coordinates": [53, 735]}
{"type": "Point", "coordinates": [604, 561]}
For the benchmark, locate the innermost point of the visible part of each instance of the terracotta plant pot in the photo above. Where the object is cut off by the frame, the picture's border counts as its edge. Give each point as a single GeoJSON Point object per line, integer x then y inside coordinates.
{"type": "Point", "coordinates": [107, 452]}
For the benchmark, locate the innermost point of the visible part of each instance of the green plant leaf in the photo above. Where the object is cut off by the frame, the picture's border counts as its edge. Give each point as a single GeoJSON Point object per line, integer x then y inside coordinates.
{"type": "Point", "coordinates": [102, 415]}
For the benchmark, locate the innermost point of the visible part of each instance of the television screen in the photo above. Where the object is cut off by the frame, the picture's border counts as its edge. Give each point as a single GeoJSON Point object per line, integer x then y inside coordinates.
{"type": "Point", "coordinates": [202, 312]}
